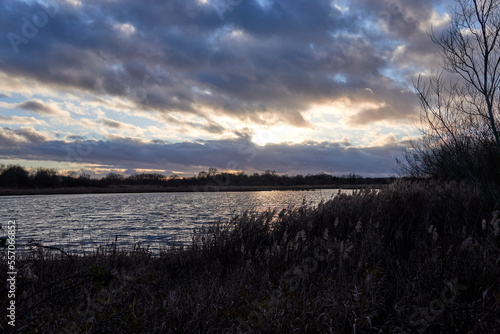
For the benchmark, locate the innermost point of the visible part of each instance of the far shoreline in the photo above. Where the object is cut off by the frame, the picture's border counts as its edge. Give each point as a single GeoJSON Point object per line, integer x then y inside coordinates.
{"type": "Point", "coordinates": [160, 189]}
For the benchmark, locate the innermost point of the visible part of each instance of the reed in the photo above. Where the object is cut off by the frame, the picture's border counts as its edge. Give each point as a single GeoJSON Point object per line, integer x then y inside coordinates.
{"type": "Point", "coordinates": [419, 257]}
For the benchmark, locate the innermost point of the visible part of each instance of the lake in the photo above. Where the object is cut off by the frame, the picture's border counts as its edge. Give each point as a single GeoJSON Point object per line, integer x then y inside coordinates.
{"type": "Point", "coordinates": [80, 223]}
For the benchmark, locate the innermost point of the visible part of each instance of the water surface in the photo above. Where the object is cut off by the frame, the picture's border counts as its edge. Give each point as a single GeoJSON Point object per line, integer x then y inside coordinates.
{"type": "Point", "coordinates": [82, 222]}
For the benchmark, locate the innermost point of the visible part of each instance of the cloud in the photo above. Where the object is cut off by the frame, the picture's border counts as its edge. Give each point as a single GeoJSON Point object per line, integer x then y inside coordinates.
{"type": "Point", "coordinates": [112, 123]}
{"type": "Point", "coordinates": [74, 137]}
{"type": "Point", "coordinates": [261, 64]}
{"type": "Point", "coordinates": [31, 136]}
{"type": "Point", "coordinates": [210, 70]}
{"type": "Point", "coordinates": [239, 154]}
{"type": "Point", "coordinates": [35, 106]}
{"type": "Point", "coordinates": [42, 108]}
{"type": "Point", "coordinates": [20, 120]}
{"type": "Point", "coordinates": [12, 139]}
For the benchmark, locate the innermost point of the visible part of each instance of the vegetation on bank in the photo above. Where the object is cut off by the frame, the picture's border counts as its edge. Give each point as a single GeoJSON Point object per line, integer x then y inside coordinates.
{"type": "Point", "coordinates": [158, 189]}
{"type": "Point", "coordinates": [416, 258]}
{"type": "Point", "coordinates": [14, 177]}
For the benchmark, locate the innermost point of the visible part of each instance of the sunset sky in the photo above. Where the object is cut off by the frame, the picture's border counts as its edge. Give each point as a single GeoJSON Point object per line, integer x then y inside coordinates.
{"type": "Point", "coordinates": [178, 86]}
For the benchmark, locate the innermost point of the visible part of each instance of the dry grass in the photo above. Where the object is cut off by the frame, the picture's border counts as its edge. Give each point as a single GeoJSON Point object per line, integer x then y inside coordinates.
{"type": "Point", "coordinates": [409, 258]}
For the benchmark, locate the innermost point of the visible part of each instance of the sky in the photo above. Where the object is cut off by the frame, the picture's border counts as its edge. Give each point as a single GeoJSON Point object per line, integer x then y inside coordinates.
{"type": "Point", "coordinates": [178, 86]}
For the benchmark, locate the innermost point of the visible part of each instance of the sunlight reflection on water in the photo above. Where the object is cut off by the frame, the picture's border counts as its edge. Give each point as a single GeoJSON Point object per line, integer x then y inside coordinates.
{"type": "Point", "coordinates": [82, 222]}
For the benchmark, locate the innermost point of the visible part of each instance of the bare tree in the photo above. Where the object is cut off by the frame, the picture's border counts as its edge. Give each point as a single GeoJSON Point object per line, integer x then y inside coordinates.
{"type": "Point", "coordinates": [459, 119]}
{"type": "Point", "coordinates": [471, 49]}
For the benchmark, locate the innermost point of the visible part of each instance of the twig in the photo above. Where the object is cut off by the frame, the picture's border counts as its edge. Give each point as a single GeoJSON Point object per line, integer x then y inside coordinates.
{"type": "Point", "coordinates": [51, 248]}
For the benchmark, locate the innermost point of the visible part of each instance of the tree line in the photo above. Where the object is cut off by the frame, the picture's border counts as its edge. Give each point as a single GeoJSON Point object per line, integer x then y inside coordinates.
{"type": "Point", "coordinates": [16, 176]}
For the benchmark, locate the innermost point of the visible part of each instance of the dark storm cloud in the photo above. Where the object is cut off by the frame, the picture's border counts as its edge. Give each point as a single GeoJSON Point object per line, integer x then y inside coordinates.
{"type": "Point", "coordinates": [261, 64]}
{"type": "Point", "coordinates": [240, 154]}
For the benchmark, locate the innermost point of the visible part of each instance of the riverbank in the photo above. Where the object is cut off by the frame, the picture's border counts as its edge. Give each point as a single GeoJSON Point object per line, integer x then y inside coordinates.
{"type": "Point", "coordinates": [408, 258]}
{"type": "Point", "coordinates": [150, 189]}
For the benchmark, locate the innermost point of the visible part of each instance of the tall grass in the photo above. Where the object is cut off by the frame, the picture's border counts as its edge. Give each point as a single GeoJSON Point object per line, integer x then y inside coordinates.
{"type": "Point", "coordinates": [409, 258]}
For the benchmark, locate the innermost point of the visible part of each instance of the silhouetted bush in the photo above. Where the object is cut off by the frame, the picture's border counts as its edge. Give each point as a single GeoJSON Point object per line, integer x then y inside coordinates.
{"type": "Point", "coordinates": [14, 176]}
{"type": "Point", "coordinates": [471, 159]}
{"type": "Point", "coordinates": [46, 178]}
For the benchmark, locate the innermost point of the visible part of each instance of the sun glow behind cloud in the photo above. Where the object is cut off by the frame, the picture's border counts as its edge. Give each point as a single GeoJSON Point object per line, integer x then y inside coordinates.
{"type": "Point", "coordinates": [276, 134]}
{"type": "Point", "coordinates": [260, 73]}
